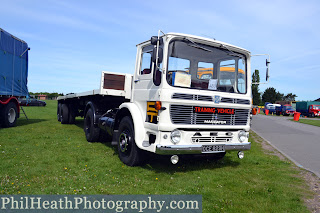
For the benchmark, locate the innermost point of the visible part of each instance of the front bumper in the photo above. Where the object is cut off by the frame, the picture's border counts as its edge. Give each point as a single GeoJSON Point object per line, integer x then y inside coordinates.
{"type": "Point", "coordinates": [197, 149]}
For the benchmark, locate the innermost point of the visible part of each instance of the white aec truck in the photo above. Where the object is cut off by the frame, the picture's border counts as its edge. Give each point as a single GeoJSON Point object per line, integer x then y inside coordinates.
{"type": "Point", "coordinates": [188, 95]}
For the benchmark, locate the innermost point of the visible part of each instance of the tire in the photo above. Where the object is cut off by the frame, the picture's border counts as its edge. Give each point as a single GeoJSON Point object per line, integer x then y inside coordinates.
{"type": "Point", "coordinates": [92, 133]}
{"type": "Point", "coordinates": [9, 115]}
{"type": "Point", "coordinates": [64, 114]}
{"type": "Point", "coordinates": [312, 115]}
{"type": "Point", "coordinates": [59, 112]}
{"type": "Point", "coordinates": [72, 114]}
{"type": "Point", "coordinates": [128, 151]}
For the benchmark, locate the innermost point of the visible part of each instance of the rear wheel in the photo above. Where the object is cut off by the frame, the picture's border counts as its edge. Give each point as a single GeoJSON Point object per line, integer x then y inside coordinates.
{"type": "Point", "coordinates": [128, 151]}
{"type": "Point", "coordinates": [9, 115]}
{"type": "Point", "coordinates": [72, 114]}
{"type": "Point", "coordinates": [92, 132]}
{"type": "Point", "coordinates": [64, 114]}
{"type": "Point", "coordinates": [59, 112]}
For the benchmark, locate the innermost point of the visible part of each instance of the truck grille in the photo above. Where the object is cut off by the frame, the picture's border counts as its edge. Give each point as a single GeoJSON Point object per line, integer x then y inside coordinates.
{"type": "Point", "coordinates": [211, 139]}
{"type": "Point", "coordinates": [183, 114]}
{"type": "Point", "coordinates": [191, 97]}
{"type": "Point", "coordinates": [235, 101]}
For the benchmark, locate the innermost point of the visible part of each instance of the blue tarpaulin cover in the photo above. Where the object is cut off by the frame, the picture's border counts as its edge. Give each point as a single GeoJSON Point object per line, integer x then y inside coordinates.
{"type": "Point", "coordinates": [13, 65]}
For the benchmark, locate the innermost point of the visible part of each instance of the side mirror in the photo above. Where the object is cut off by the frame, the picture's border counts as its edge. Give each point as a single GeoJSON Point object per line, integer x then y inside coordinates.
{"type": "Point", "coordinates": [157, 76]}
{"type": "Point", "coordinates": [155, 39]}
{"type": "Point", "coordinates": [156, 72]}
{"type": "Point", "coordinates": [160, 55]}
{"type": "Point", "coordinates": [267, 72]}
{"type": "Point", "coordinates": [157, 50]}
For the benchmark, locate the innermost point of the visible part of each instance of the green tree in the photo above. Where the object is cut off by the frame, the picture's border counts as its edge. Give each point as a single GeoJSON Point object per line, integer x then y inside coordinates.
{"type": "Point", "coordinates": [256, 96]}
{"type": "Point", "coordinates": [279, 96]}
{"type": "Point", "coordinates": [290, 97]}
{"type": "Point", "coordinates": [269, 95]}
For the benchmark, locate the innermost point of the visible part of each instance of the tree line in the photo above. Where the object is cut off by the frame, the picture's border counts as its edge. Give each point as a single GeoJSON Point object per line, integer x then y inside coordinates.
{"type": "Point", "coordinates": [51, 96]}
{"type": "Point", "coordinates": [269, 95]}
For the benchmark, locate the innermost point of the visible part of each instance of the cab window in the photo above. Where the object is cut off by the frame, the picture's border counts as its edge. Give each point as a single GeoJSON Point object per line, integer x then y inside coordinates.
{"type": "Point", "coordinates": [145, 67]}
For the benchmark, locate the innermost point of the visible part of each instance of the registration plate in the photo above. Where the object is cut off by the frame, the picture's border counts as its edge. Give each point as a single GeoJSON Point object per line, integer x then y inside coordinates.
{"type": "Point", "coordinates": [213, 148]}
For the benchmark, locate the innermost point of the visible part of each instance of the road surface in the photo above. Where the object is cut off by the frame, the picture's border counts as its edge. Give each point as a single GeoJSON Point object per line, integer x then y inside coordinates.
{"type": "Point", "coordinates": [299, 142]}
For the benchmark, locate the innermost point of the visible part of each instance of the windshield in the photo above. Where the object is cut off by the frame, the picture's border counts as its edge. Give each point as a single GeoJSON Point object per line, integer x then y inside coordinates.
{"type": "Point", "coordinates": [288, 108]}
{"type": "Point", "coordinates": [198, 66]}
{"type": "Point", "coordinates": [316, 106]}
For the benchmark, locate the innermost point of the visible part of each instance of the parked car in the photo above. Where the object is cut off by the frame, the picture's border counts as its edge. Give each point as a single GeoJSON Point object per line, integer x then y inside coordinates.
{"type": "Point", "coordinates": [285, 110]}
{"type": "Point", "coordinates": [272, 107]}
{"type": "Point", "coordinates": [31, 102]}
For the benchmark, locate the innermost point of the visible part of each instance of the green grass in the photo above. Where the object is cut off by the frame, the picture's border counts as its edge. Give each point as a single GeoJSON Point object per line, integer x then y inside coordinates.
{"type": "Point", "coordinates": [315, 122]}
{"type": "Point", "coordinates": [41, 156]}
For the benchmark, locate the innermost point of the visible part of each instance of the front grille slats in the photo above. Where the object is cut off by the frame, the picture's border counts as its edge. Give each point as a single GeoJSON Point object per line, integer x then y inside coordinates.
{"type": "Point", "coordinates": [183, 114]}
{"type": "Point", "coordinates": [235, 101]}
{"type": "Point", "coordinates": [192, 97]}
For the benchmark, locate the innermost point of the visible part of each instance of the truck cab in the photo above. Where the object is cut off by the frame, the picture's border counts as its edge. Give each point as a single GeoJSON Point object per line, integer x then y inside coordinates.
{"type": "Point", "coordinates": [183, 113]}
{"type": "Point", "coordinates": [314, 110]}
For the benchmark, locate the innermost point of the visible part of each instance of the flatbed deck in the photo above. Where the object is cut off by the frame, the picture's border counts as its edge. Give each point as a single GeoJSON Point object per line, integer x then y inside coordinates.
{"type": "Point", "coordinates": [114, 84]}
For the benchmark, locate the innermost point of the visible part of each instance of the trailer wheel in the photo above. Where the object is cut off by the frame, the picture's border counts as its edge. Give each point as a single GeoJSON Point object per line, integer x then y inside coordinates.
{"type": "Point", "coordinates": [59, 112]}
{"type": "Point", "coordinates": [92, 132]}
{"type": "Point", "coordinates": [128, 151]}
{"type": "Point", "coordinates": [10, 115]}
{"type": "Point", "coordinates": [64, 114]}
{"type": "Point", "coordinates": [72, 114]}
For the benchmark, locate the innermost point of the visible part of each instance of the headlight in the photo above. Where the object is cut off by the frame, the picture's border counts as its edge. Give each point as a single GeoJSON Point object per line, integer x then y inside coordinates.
{"type": "Point", "coordinates": [175, 136]}
{"type": "Point", "coordinates": [242, 136]}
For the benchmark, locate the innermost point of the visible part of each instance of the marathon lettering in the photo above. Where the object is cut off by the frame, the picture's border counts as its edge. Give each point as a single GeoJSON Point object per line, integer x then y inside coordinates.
{"type": "Point", "coordinates": [213, 110]}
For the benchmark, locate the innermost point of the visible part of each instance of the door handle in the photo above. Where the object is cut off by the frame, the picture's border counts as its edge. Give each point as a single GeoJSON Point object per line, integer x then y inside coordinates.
{"type": "Point", "coordinates": [136, 81]}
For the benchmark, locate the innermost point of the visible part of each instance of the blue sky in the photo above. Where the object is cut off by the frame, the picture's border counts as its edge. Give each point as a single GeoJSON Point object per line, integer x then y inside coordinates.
{"type": "Point", "coordinates": [73, 41]}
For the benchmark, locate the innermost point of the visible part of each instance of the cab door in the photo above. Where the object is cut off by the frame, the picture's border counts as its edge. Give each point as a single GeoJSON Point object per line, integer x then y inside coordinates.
{"type": "Point", "coordinates": [145, 92]}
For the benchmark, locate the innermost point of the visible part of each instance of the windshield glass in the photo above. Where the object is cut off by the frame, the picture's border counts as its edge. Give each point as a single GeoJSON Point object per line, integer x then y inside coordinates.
{"type": "Point", "coordinates": [198, 66]}
{"type": "Point", "coordinates": [316, 107]}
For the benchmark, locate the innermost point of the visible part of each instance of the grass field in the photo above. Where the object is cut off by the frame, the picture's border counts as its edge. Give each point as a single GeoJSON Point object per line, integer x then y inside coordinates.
{"type": "Point", "coordinates": [41, 156]}
{"type": "Point", "coordinates": [314, 122]}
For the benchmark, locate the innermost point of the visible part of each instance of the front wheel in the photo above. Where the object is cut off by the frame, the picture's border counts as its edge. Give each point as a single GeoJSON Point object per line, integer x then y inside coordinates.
{"type": "Point", "coordinates": [128, 151]}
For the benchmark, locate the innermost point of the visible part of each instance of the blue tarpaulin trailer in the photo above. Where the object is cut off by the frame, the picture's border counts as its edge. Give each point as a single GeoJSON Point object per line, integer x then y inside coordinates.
{"type": "Point", "coordinates": [13, 65]}
{"type": "Point", "coordinates": [13, 77]}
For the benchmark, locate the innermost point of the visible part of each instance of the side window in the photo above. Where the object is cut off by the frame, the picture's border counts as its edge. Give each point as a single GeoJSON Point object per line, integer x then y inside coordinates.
{"type": "Point", "coordinates": [145, 67]}
{"type": "Point", "coordinates": [227, 73]}
{"type": "Point", "coordinates": [241, 76]}
{"type": "Point", "coordinates": [205, 71]}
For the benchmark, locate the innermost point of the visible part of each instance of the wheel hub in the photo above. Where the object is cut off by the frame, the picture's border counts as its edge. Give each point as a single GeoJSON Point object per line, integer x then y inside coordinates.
{"type": "Point", "coordinates": [124, 141]}
{"type": "Point", "coordinates": [11, 115]}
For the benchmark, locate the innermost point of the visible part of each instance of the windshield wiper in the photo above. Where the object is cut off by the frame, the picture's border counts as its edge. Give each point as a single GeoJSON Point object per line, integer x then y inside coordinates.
{"type": "Point", "coordinates": [231, 52]}
{"type": "Point", "coordinates": [196, 45]}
